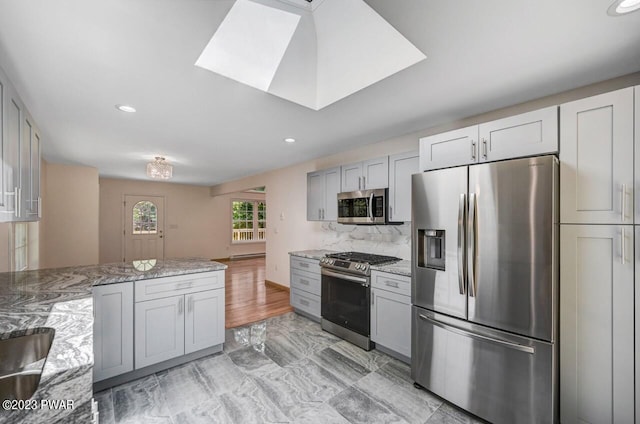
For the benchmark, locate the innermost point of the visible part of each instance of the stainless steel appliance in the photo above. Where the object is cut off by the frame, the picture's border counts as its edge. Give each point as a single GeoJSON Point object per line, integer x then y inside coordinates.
{"type": "Point", "coordinates": [346, 295]}
{"type": "Point", "coordinates": [363, 207]}
{"type": "Point", "coordinates": [485, 288]}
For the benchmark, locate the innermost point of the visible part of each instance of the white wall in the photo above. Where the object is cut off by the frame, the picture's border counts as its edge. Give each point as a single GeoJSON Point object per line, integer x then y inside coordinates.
{"type": "Point", "coordinates": [288, 229]}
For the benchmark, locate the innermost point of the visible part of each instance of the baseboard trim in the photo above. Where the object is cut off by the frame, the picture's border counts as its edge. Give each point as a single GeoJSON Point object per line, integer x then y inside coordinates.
{"type": "Point", "coordinates": [276, 286]}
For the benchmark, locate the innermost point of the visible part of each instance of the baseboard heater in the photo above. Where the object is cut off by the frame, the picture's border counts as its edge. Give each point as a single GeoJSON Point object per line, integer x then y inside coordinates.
{"type": "Point", "coordinates": [246, 256]}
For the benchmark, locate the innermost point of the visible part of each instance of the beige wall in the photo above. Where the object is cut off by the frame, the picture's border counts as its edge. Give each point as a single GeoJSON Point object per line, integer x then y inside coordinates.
{"type": "Point", "coordinates": [286, 188]}
{"type": "Point", "coordinates": [69, 216]}
{"type": "Point", "coordinates": [196, 225]}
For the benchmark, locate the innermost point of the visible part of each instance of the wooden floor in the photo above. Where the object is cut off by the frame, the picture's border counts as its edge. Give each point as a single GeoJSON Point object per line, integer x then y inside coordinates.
{"type": "Point", "coordinates": [247, 297]}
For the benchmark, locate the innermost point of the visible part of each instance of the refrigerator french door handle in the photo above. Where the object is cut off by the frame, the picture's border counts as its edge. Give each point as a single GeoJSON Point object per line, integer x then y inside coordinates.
{"type": "Point", "coordinates": [371, 206]}
{"type": "Point", "coordinates": [471, 245]}
{"type": "Point", "coordinates": [462, 332]}
{"type": "Point", "coordinates": [461, 267]}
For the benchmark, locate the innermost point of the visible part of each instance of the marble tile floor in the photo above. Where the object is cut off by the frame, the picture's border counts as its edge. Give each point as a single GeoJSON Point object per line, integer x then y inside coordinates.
{"type": "Point", "coordinates": [282, 370]}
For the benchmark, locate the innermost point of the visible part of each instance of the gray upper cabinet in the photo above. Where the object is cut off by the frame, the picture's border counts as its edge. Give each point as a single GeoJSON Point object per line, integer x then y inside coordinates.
{"type": "Point", "coordinates": [12, 111]}
{"type": "Point", "coordinates": [401, 167]}
{"type": "Point", "coordinates": [20, 164]}
{"type": "Point", "coordinates": [322, 195]}
{"type": "Point", "coordinates": [596, 159]}
{"type": "Point", "coordinates": [527, 134]}
{"type": "Point", "coordinates": [453, 148]}
{"type": "Point", "coordinates": [370, 174]}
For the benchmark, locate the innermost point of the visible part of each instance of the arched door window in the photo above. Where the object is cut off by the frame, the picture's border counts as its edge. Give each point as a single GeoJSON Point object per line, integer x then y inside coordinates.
{"type": "Point", "coordinates": [145, 218]}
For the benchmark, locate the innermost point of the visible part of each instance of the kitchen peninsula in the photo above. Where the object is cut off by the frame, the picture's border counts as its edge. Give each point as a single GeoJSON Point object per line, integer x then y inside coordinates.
{"type": "Point", "coordinates": [62, 299]}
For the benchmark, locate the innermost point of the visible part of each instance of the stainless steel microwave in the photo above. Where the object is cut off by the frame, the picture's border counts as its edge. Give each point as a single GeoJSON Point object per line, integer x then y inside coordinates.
{"type": "Point", "coordinates": [363, 206]}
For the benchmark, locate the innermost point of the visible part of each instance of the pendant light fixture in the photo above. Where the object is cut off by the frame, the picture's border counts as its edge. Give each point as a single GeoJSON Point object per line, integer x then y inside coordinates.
{"type": "Point", "coordinates": [159, 169]}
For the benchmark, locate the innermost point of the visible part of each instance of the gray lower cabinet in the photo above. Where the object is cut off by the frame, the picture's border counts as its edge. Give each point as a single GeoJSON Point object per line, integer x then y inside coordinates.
{"type": "Point", "coordinates": [159, 330]}
{"type": "Point", "coordinates": [146, 322]}
{"type": "Point", "coordinates": [391, 312]}
{"type": "Point", "coordinates": [597, 324]}
{"type": "Point", "coordinates": [203, 309]}
{"type": "Point", "coordinates": [112, 330]}
{"type": "Point", "coordinates": [305, 286]}
{"type": "Point", "coordinates": [175, 316]}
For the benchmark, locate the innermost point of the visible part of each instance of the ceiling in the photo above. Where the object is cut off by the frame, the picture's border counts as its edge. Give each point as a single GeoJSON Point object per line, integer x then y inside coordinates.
{"type": "Point", "coordinates": [73, 60]}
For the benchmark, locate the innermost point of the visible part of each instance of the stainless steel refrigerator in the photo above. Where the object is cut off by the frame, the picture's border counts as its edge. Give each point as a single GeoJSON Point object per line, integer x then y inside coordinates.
{"type": "Point", "coordinates": [485, 288]}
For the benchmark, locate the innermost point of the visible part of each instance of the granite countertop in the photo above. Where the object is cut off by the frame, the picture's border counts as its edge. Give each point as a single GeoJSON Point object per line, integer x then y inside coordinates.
{"type": "Point", "coordinates": [61, 298]}
{"type": "Point", "coordinates": [312, 254]}
{"type": "Point", "coordinates": [401, 268]}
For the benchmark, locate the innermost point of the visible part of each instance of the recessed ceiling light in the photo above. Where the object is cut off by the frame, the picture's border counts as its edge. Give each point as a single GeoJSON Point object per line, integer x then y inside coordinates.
{"type": "Point", "coordinates": [290, 140]}
{"type": "Point", "coordinates": [622, 7]}
{"type": "Point", "coordinates": [126, 108]}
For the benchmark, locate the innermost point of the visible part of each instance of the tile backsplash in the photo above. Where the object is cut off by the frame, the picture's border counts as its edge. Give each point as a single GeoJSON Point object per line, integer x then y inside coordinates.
{"type": "Point", "coordinates": [392, 240]}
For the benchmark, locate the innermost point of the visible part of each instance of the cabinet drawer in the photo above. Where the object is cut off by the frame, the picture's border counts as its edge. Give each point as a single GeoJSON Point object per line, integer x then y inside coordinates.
{"type": "Point", "coordinates": [157, 288]}
{"type": "Point", "coordinates": [391, 282]}
{"type": "Point", "coordinates": [305, 302]}
{"type": "Point", "coordinates": [304, 264]}
{"type": "Point", "coordinates": [306, 281]}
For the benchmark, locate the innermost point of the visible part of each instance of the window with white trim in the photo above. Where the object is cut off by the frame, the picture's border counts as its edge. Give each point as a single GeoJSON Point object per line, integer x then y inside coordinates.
{"type": "Point", "coordinates": [248, 221]}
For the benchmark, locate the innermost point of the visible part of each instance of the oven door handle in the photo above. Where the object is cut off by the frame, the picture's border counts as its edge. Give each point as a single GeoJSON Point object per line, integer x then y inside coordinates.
{"type": "Point", "coordinates": [371, 207]}
{"type": "Point", "coordinates": [361, 280]}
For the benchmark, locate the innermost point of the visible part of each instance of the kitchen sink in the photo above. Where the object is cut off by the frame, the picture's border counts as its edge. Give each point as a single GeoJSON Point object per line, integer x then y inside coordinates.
{"type": "Point", "coordinates": [19, 386]}
{"type": "Point", "coordinates": [21, 361]}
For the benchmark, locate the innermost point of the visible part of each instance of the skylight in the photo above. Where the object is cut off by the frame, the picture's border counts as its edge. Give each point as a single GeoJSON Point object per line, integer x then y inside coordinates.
{"type": "Point", "coordinates": [313, 56]}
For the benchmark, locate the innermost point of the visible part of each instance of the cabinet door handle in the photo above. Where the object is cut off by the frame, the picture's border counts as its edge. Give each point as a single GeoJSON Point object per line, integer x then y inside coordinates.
{"type": "Point", "coordinates": [303, 265]}
{"type": "Point", "coordinates": [319, 213]}
{"type": "Point", "coordinates": [622, 243]}
{"type": "Point", "coordinates": [180, 305]}
{"type": "Point", "coordinates": [623, 195]}
{"type": "Point", "coordinates": [390, 211]}
{"type": "Point", "coordinates": [372, 298]}
{"type": "Point", "coordinates": [391, 283]}
{"type": "Point", "coordinates": [484, 148]}
{"type": "Point", "coordinates": [364, 182]}
{"type": "Point", "coordinates": [304, 302]}
{"type": "Point", "coordinates": [39, 207]}
{"type": "Point", "coordinates": [322, 213]}
{"type": "Point", "coordinates": [473, 150]}
{"type": "Point", "coordinates": [303, 281]}
{"type": "Point", "coordinates": [359, 183]}
{"type": "Point", "coordinates": [16, 199]}
{"type": "Point", "coordinates": [190, 305]}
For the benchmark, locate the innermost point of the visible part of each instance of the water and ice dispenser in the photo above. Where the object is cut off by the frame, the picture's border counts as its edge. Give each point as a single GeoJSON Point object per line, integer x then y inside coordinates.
{"type": "Point", "coordinates": [431, 249]}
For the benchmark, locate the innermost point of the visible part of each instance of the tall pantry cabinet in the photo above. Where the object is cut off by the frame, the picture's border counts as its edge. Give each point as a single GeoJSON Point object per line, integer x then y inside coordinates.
{"type": "Point", "coordinates": [597, 292]}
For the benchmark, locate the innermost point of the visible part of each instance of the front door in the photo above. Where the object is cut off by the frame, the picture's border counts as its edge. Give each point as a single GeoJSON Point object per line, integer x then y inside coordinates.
{"type": "Point", "coordinates": [144, 227]}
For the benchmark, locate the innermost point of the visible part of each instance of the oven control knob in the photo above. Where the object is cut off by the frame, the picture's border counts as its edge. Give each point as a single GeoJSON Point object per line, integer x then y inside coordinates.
{"type": "Point", "coordinates": [330, 261]}
{"type": "Point", "coordinates": [358, 266]}
{"type": "Point", "coordinates": [323, 260]}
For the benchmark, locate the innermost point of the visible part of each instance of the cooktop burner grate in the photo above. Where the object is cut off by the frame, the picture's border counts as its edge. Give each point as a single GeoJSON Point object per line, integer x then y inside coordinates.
{"type": "Point", "coordinates": [363, 257]}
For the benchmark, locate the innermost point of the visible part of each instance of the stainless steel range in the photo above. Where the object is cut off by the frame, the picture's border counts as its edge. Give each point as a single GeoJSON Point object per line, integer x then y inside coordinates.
{"type": "Point", "coordinates": [346, 295]}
